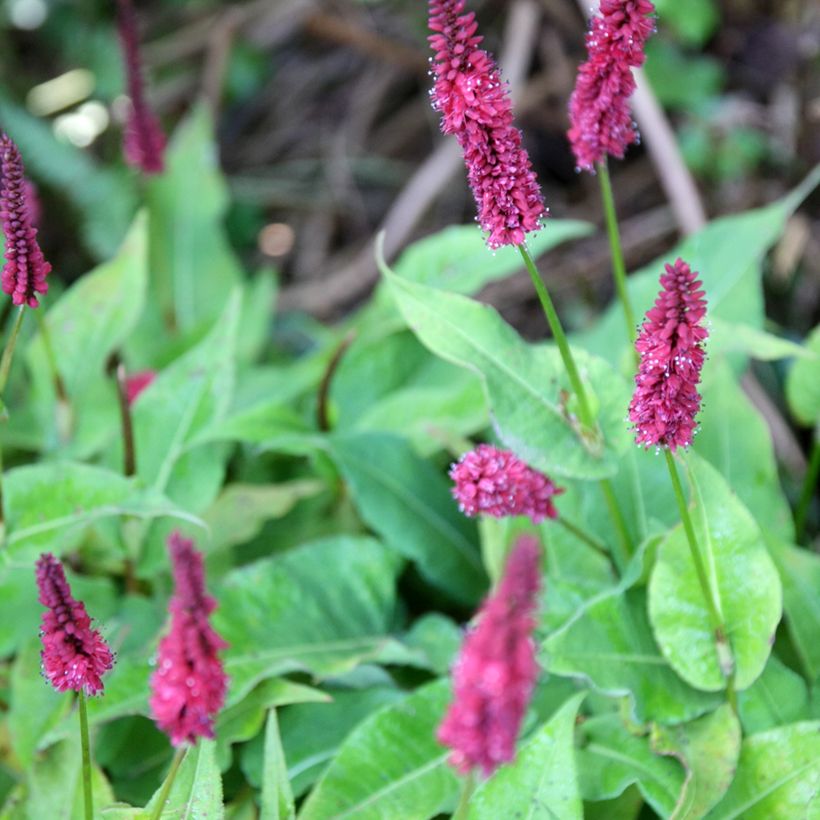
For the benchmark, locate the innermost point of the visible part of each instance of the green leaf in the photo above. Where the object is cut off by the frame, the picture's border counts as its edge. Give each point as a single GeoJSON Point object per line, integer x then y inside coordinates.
{"type": "Point", "coordinates": [609, 643]}
{"type": "Point", "coordinates": [799, 571]}
{"type": "Point", "coordinates": [193, 268]}
{"type": "Point", "coordinates": [735, 337]}
{"type": "Point", "coordinates": [778, 777]}
{"type": "Point", "coordinates": [525, 384]}
{"type": "Point", "coordinates": [803, 383]}
{"type": "Point", "coordinates": [708, 748]}
{"type": "Point", "coordinates": [391, 766]}
{"type": "Point", "coordinates": [736, 440]}
{"type": "Point", "coordinates": [695, 24]}
{"type": "Point", "coordinates": [542, 782]}
{"type": "Point", "coordinates": [88, 322]}
{"type": "Point", "coordinates": [277, 796]}
{"type": "Point", "coordinates": [407, 501]}
{"type": "Point", "coordinates": [744, 581]}
{"type": "Point", "coordinates": [281, 614]}
{"type": "Point", "coordinates": [778, 697]}
{"type": "Point", "coordinates": [610, 759]}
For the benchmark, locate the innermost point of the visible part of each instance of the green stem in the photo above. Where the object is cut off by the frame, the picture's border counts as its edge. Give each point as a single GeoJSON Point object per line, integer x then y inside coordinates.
{"type": "Point", "coordinates": [560, 337]}
{"type": "Point", "coordinates": [618, 266]}
{"type": "Point", "coordinates": [809, 485]}
{"type": "Point", "coordinates": [8, 353]}
{"type": "Point", "coordinates": [624, 551]}
{"type": "Point", "coordinates": [722, 646]}
{"type": "Point", "coordinates": [86, 752]}
{"type": "Point", "coordinates": [45, 333]}
{"type": "Point", "coordinates": [467, 790]}
{"type": "Point", "coordinates": [582, 535]}
{"type": "Point", "coordinates": [166, 786]}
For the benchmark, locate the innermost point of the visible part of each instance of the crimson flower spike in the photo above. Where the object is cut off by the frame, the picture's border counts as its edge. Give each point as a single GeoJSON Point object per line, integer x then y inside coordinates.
{"type": "Point", "coordinates": [189, 684]}
{"type": "Point", "coordinates": [670, 344]}
{"type": "Point", "coordinates": [495, 672]}
{"type": "Point", "coordinates": [74, 655]}
{"type": "Point", "coordinates": [25, 271]}
{"type": "Point", "coordinates": [475, 106]}
{"type": "Point", "coordinates": [600, 121]}
{"type": "Point", "coordinates": [144, 142]}
{"type": "Point", "coordinates": [496, 482]}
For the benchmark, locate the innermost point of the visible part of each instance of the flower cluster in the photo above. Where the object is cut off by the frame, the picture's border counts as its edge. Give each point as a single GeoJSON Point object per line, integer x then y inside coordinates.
{"type": "Point", "coordinates": [74, 655]}
{"type": "Point", "coordinates": [25, 271]}
{"type": "Point", "coordinates": [496, 670]}
{"type": "Point", "coordinates": [475, 106]}
{"type": "Point", "coordinates": [600, 121]}
{"type": "Point", "coordinates": [670, 344]}
{"type": "Point", "coordinates": [189, 684]}
{"type": "Point", "coordinates": [144, 142]}
{"type": "Point", "coordinates": [497, 483]}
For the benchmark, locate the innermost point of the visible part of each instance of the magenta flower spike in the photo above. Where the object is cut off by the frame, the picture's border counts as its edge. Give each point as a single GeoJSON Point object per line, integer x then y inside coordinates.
{"type": "Point", "coordinates": [496, 482]}
{"type": "Point", "coordinates": [189, 684]}
{"type": "Point", "coordinates": [600, 120]}
{"type": "Point", "coordinates": [495, 672]}
{"type": "Point", "coordinates": [74, 655]}
{"type": "Point", "coordinates": [25, 271]}
{"type": "Point", "coordinates": [143, 142]}
{"type": "Point", "coordinates": [475, 106]}
{"type": "Point", "coordinates": [670, 344]}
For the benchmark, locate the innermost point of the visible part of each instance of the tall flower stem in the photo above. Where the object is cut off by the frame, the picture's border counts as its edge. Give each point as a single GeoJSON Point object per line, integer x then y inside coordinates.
{"type": "Point", "coordinates": [808, 490]}
{"type": "Point", "coordinates": [584, 409]}
{"type": "Point", "coordinates": [45, 333]}
{"type": "Point", "coordinates": [167, 785]}
{"type": "Point", "coordinates": [8, 353]}
{"type": "Point", "coordinates": [583, 535]}
{"type": "Point", "coordinates": [722, 646]}
{"type": "Point", "coordinates": [618, 266]}
{"type": "Point", "coordinates": [463, 807]}
{"type": "Point", "coordinates": [86, 752]}
{"type": "Point", "coordinates": [624, 550]}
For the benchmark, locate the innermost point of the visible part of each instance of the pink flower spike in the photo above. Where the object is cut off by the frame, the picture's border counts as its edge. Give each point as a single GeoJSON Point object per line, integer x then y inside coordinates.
{"type": "Point", "coordinates": [670, 344]}
{"type": "Point", "coordinates": [496, 670]}
{"type": "Point", "coordinates": [497, 483]}
{"type": "Point", "coordinates": [74, 655]}
{"type": "Point", "coordinates": [600, 121]}
{"type": "Point", "coordinates": [144, 142]}
{"type": "Point", "coordinates": [137, 382]}
{"type": "Point", "coordinates": [189, 684]}
{"type": "Point", "coordinates": [475, 106]}
{"type": "Point", "coordinates": [25, 271]}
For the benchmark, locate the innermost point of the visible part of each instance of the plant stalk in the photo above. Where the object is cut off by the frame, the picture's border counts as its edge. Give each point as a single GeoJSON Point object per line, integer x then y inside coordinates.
{"type": "Point", "coordinates": [584, 409]}
{"type": "Point", "coordinates": [624, 550]}
{"type": "Point", "coordinates": [582, 535]}
{"type": "Point", "coordinates": [722, 646]}
{"type": "Point", "coordinates": [809, 488]}
{"type": "Point", "coordinates": [129, 467]}
{"type": "Point", "coordinates": [463, 808]}
{"type": "Point", "coordinates": [616, 250]}
{"type": "Point", "coordinates": [8, 353]}
{"type": "Point", "coordinates": [167, 784]}
{"type": "Point", "coordinates": [88, 797]}
{"type": "Point", "coordinates": [59, 385]}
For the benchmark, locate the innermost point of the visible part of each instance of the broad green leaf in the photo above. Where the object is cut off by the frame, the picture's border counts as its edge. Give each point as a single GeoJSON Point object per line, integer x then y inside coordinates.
{"type": "Point", "coordinates": [708, 748]}
{"type": "Point", "coordinates": [525, 384]}
{"type": "Point", "coordinates": [88, 322]}
{"type": "Point", "coordinates": [277, 795]}
{"type": "Point", "coordinates": [778, 776]}
{"type": "Point", "coordinates": [391, 766]}
{"type": "Point", "coordinates": [743, 580]}
{"type": "Point", "coordinates": [694, 25]}
{"type": "Point", "coordinates": [610, 759]}
{"type": "Point", "coordinates": [799, 571]}
{"type": "Point", "coordinates": [803, 383]}
{"type": "Point", "coordinates": [256, 319]}
{"type": "Point", "coordinates": [778, 697]}
{"type": "Point", "coordinates": [736, 440]}
{"type": "Point", "coordinates": [193, 268]}
{"type": "Point", "coordinates": [542, 782]}
{"type": "Point", "coordinates": [609, 642]}
{"type": "Point", "coordinates": [281, 614]}
{"type": "Point", "coordinates": [734, 337]}
{"type": "Point", "coordinates": [408, 502]}
{"type": "Point", "coordinates": [437, 638]}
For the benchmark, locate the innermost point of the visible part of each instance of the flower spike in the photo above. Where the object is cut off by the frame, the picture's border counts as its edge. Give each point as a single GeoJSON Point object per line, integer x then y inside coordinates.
{"type": "Point", "coordinates": [25, 271]}
{"type": "Point", "coordinates": [189, 684]}
{"type": "Point", "coordinates": [496, 482]}
{"type": "Point", "coordinates": [496, 670]}
{"type": "Point", "coordinates": [74, 655]}
{"type": "Point", "coordinates": [600, 121]}
{"type": "Point", "coordinates": [475, 106]}
{"type": "Point", "coordinates": [670, 344]}
{"type": "Point", "coordinates": [144, 142]}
